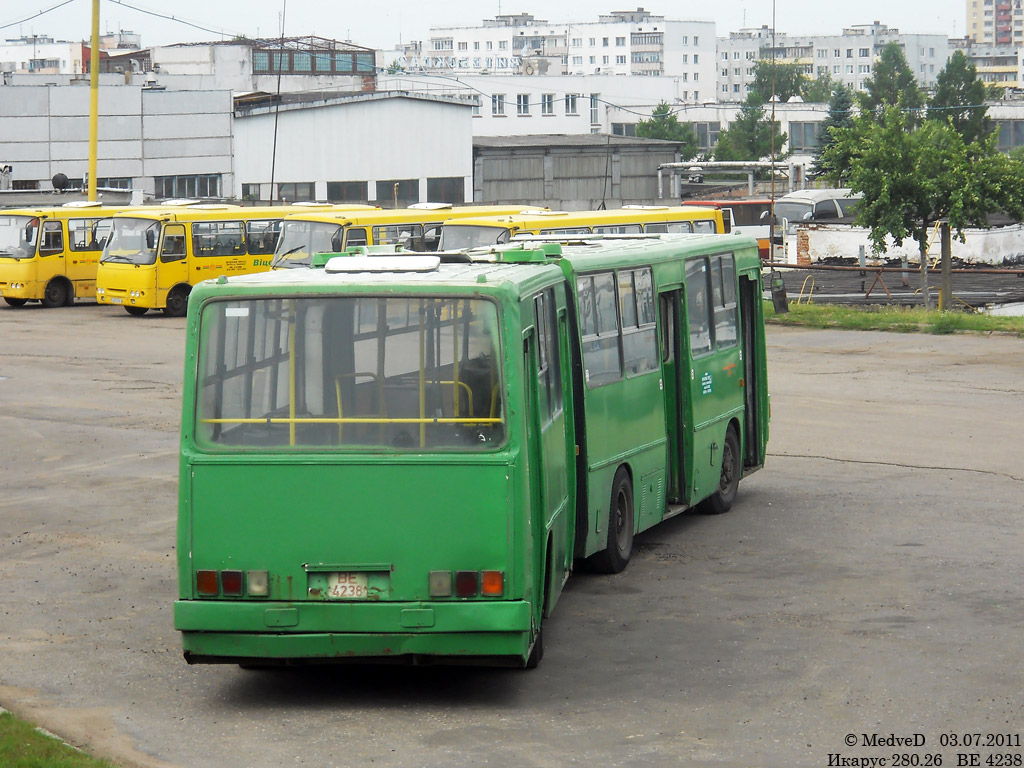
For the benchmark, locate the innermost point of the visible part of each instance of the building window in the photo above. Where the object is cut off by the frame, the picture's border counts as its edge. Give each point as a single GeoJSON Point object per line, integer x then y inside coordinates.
{"type": "Point", "coordinates": [346, 192]}
{"type": "Point", "coordinates": [570, 104]}
{"type": "Point", "coordinates": [803, 137]}
{"type": "Point", "coordinates": [594, 108]}
{"type": "Point", "coordinates": [198, 185]}
{"type": "Point", "coordinates": [864, 52]}
{"type": "Point", "coordinates": [620, 59]}
{"type": "Point", "coordinates": [497, 104]}
{"type": "Point", "coordinates": [398, 193]}
{"type": "Point", "coordinates": [547, 104]}
{"type": "Point", "coordinates": [296, 191]}
{"type": "Point", "coordinates": [451, 189]}
{"type": "Point", "coordinates": [303, 62]}
{"type": "Point", "coordinates": [604, 42]}
{"type": "Point", "coordinates": [522, 105]}
{"type": "Point", "coordinates": [620, 41]}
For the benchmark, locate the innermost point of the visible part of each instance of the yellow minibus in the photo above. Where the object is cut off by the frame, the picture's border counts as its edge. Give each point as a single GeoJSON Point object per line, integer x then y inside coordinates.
{"type": "Point", "coordinates": [416, 228]}
{"type": "Point", "coordinates": [50, 255]}
{"type": "Point", "coordinates": [153, 257]}
{"type": "Point", "coordinates": [631, 219]}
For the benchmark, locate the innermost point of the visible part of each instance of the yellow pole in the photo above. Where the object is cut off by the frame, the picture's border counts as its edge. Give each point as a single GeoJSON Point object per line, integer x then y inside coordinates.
{"type": "Point", "coordinates": [94, 97]}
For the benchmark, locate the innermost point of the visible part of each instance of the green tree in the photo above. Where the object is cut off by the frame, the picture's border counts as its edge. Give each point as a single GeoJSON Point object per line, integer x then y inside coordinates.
{"type": "Point", "coordinates": [892, 83]}
{"type": "Point", "coordinates": [665, 125]}
{"type": "Point", "coordinates": [912, 178]}
{"type": "Point", "coordinates": [840, 115]}
{"type": "Point", "coordinates": [818, 90]}
{"type": "Point", "coordinates": [960, 98]}
{"type": "Point", "coordinates": [749, 136]}
{"type": "Point", "coordinates": [788, 80]}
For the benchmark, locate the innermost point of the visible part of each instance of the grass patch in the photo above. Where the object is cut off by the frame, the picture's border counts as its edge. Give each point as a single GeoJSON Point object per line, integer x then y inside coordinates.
{"type": "Point", "coordinates": [895, 319]}
{"type": "Point", "coordinates": [22, 746]}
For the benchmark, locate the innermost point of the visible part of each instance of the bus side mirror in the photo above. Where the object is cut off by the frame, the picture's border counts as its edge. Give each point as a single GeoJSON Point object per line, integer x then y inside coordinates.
{"type": "Point", "coordinates": [336, 241]}
{"type": "Point", "coordinates": [150, 239]}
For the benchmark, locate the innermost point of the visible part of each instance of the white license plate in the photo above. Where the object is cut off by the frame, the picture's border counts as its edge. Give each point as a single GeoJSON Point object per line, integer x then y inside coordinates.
{"type": "Point", "coordinates": [346, 586]}
{"type": "Point", "coordinates": [117, 301]}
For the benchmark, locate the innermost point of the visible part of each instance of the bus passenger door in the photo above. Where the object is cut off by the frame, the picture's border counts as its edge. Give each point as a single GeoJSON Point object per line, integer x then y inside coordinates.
{"type": "Point", "coordinates": [755, 415]}
{"type": "Point", "coordinates": [551, 448]}
{"type": "Point", "coordinates": [670, 348]}
{"type": "Point", "coordinates": [172, 264]}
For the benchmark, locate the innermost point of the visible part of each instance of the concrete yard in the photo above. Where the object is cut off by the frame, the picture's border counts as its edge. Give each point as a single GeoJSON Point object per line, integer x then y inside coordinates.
{"type": "Point", "coordinates": [868, 585]}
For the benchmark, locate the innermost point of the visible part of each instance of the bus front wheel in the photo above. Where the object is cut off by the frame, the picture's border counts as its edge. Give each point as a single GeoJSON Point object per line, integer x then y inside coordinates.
{"type": "Point", "coordinates": [56, 294]}
{"type": "Point", "coordinates": [177, 302]}
{"type": "Point", "coordinates": [136, 311]}
{"type": "Point", "coordinates": [13, 302]}
{"type": "Point", "coordinates": [729, 480]}
{"type": "Point", "coordinates": [614, 557]}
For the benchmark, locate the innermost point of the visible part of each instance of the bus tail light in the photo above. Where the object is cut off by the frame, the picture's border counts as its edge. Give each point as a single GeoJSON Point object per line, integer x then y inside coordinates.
{"type": "Point", "coordinates": [466, 584]}
{"type": "Point", "coordinates": [440, 583]}
{"type": "Point", "coordinates": [206, 583]}
{"type": "Point", "coordinates": [231, 583]}
{"type": "Point", "coordinates": [492, 583]}
{"type": "Point", "coordinates": [258, 583]}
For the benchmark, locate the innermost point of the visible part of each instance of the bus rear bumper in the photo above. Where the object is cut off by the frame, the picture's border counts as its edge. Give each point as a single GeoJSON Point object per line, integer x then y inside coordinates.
{"type": "Point", "coordinates": [493, 633]}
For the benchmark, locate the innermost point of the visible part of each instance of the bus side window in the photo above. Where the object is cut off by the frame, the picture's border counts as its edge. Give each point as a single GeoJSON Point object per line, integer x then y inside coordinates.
{"type": "Point", "coordinates": [53, 238]}
{"type": "Point", "coordinates": [356, 236]}
{"type": "Point", "coordinates": [704, 225]}
{"type": "Point", "coordinates": [698, 311]}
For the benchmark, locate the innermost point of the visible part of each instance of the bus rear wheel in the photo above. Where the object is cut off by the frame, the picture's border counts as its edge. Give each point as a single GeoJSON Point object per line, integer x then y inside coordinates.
{"type": "Point", "coordinates": [615, 556]}
{"type": "Point", "coordinates": [177, 302]}
{"type": "Point", "coordinates": [56, 294]}
{"type": "Point", "coordinates": [13, 302]}
{"type": "Point", "coordinates": [729, 480]}
{"type": "Point", "coordinates": [136, 311]}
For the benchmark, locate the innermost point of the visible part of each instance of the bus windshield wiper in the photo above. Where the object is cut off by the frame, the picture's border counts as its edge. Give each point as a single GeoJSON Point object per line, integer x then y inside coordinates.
{"type": "Point", "coordinates": [279, 261]}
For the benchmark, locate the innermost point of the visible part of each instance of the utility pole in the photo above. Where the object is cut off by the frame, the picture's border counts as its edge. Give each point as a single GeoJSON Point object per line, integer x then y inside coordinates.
{"type": "Point", "coordinates": [94, 98]}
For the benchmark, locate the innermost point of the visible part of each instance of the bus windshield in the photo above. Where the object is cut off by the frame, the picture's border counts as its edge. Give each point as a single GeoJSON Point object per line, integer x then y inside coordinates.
{"type": "Point", "coordinates": [132, 241]}
{"type": "Point", "coordinates": [299, 240]}
{"type": "Point", "coordinates": [18, 236]}
{"type": "Point", "coordinates": [456, 237]}
{"type": "Point", "coordinates": [405, 374]}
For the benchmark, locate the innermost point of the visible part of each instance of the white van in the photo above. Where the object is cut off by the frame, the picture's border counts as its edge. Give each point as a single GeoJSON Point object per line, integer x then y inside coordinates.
{"type": "Point", "coordinates": [816, 205]}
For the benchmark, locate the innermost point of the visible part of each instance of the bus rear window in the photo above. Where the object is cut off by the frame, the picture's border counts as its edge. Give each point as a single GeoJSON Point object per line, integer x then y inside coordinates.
{"type": "Point", "coordinates": [342, 373]}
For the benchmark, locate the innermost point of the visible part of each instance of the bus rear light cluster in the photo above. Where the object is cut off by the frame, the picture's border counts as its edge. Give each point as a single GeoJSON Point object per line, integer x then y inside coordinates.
{"type": "Point", "coordinates": [466, 583]}
{"type": "Point", "coordinates": [230, 583]}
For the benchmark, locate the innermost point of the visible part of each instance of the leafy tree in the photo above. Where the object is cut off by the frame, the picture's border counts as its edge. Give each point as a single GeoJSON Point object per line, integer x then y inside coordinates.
{"type": "Point", "coordinates": [788, 80]}
{"type": "Point", "coordinates": [665, 125]}
{"type": "Point", "coordinates": [892, 83]}
{"type": "Point", "coordinates": [911, 178]}
{"type": "Point", "coordinates": [994, 91]}
{"type": "Point", "coordinates": [960, 98]}
{"type": "Point", "coordinates": [749, 136]}
{"type": "Point", "coordinates": [840, 115]}
{"type": "Point", "coordinates": [818, 90]}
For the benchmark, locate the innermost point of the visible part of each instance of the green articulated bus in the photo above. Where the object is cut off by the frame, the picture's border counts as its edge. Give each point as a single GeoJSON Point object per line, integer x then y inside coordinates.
{"type": "Point", "coordinates": [401, 456]}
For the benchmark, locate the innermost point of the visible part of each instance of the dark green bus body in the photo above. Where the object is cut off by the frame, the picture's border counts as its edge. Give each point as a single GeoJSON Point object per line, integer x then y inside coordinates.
{"type": "Point", "coordinates": [447, 425]}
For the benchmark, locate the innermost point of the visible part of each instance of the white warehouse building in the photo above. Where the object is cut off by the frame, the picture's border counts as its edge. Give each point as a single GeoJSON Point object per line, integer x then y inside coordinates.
{"type": "Point", "coordinates": [378, 147]}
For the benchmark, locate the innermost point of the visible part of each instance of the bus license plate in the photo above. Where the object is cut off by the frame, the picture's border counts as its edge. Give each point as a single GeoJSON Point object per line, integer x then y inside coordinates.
{"type": "Point", "coordinates": [346, 586]}
{"type": "Point", "coordinates": [116, 301]}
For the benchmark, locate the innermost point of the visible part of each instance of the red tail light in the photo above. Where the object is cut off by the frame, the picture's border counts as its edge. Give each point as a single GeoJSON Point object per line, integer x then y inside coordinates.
{"type": "Point", "coordinates": [206, 583]}
{"type": "Point", "coordinates": [466, 584]}
{"type": "Point", "coordinates": [231, 582]}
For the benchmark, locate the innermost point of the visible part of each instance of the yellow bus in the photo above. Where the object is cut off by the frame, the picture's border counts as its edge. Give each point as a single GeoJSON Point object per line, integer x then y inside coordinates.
{"type": "Point", "coordinates": [631, 219]}
{"type": "Point", "coordinates": [50, 255]}
{"type": "Point", "coordinates": [416, 228]}
{"type": "Point", "coordinates": [154, 256]}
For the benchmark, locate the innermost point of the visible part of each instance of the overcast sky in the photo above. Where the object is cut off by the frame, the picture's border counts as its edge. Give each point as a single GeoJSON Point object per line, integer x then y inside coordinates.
{"type": "Point", "coordinates": [383, 23]}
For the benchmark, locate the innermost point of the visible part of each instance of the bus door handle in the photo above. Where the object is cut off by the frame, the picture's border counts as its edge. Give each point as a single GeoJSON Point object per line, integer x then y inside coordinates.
{"type": "Point", "coordinates": [714, 447]}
